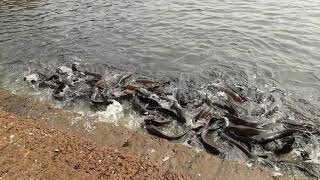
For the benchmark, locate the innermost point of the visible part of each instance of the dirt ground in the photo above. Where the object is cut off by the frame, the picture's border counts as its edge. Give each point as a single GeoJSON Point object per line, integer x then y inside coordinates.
{"type": "Point", "coordinates": [33, 150]}
{"type": "Point", "coordinates": [58, 144]}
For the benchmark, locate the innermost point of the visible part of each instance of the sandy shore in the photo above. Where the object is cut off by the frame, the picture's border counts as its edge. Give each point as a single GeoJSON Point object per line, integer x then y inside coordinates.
{"type": "Point", "coordinates": [33, 150]}
{"type": "Point", "coordinates": [43, 142]}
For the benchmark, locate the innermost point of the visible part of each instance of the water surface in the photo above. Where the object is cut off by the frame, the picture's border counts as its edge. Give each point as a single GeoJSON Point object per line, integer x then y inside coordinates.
{"type": "Point", "coordinates": [279, 38]}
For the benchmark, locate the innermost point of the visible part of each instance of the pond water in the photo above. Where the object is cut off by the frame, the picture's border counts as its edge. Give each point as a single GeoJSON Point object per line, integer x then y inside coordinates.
{"type": "Point", "coordinates": [279, 38]}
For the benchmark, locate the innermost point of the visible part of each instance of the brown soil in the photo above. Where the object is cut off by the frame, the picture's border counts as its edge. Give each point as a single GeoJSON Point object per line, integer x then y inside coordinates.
{"type": "Point", "coordinates": [152, 157]}
{"type": "Point", "coordinates": [32, 150]}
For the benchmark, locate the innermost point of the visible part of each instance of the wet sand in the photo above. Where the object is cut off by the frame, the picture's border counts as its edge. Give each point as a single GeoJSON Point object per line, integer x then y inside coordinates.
{"type": "Point", "coordinates": [47, 143]}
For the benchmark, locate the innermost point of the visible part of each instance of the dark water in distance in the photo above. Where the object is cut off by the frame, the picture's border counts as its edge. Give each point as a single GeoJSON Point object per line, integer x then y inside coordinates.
{"type": "Point", "coordinates": [280, 38]}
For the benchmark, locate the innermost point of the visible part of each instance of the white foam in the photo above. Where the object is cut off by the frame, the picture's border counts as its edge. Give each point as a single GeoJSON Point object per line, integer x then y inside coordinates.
{"type": "Point", "coordinates": [133, 121]}
{"type": "Point", "coordinates": [222, 95]}
{"type": "Point", "coordinates": [249, 164]}
{"type": "Point", "coordinates": [112, 114]}
{"type": "Point", "coordinates": [314, 154]}
{"type": "Point", "coordinates": [66, 70]}
{"type": "Point", "coordinates": [32, 77]}
{"type": "Point", "coordinates": [277, 174]}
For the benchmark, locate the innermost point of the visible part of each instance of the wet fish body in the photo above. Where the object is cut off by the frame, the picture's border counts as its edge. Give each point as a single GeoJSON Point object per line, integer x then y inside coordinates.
{"type": "Point", "coordinates": [157, 132]}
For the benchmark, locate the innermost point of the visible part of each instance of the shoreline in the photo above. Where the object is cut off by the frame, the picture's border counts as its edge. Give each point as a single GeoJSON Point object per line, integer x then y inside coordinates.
{"type": "Point", "coordinates": [168, 156]}
{"type": "Point", "coordinates": [30, 149]}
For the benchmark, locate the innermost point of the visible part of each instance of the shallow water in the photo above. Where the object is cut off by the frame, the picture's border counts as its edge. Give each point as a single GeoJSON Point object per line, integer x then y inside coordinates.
{"type": "Point", "coordinates": [280, 38]}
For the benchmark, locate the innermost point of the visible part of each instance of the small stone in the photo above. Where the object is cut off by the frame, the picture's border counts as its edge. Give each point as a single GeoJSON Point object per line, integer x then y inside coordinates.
{"type": "Point", "coordinates": [166, 158]}
{"type": "Point", "coordinates": [11, 138]}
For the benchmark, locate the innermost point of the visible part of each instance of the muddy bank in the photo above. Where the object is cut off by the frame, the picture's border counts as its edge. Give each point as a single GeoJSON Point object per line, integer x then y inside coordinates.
{"type": "Point", "coordinates": [30, 149]}
{"type": "Point", "coordinates": [178, 158]}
